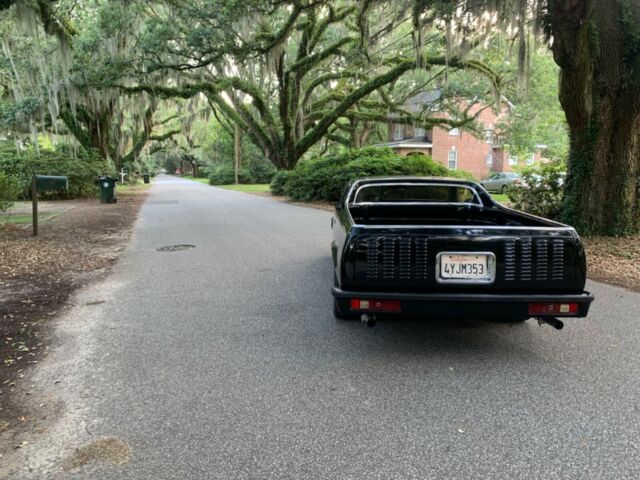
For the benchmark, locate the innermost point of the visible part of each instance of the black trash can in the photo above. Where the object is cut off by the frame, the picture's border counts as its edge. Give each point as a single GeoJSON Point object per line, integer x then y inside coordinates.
{"type": "Point", "coordinates": [107, 189]}
{"type": "Point", "coordinates": [145, 176]}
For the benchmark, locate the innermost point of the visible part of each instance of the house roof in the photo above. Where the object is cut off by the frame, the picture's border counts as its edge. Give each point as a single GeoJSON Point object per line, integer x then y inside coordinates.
{"type": "Point", "coordinates": [416, 142]}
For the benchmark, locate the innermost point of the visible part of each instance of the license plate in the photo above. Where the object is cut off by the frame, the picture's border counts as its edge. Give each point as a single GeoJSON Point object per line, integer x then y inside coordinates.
{"type": "Point", "coordinates": [466, 267]}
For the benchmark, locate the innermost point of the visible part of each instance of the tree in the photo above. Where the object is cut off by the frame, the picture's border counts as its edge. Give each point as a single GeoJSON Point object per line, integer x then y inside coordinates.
{"type": "Point", "coordinates": [535, 115]}
{"type": "Point", "coordinates": [47, 79]}
{"type": "Point", "coordinates": [299, 75]}
{"type": "Point", "coordinates": [596, 44]}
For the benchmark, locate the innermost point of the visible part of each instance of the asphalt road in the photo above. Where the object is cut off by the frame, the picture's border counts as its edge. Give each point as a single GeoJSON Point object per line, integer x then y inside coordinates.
{"type": "Point", "coordinates": [224, 361]}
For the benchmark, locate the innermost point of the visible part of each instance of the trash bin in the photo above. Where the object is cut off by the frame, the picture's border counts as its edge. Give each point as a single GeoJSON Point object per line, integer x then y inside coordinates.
{"type": "Point", "coordinates": [107, 189]}
{"type": "Point", "coordinates": [145, 176]}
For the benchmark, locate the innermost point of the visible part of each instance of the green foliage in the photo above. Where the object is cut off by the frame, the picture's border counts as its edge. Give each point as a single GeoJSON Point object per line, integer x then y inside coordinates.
{"type": "Point", "coordinates": [538, 119]}
{"type": "Point", "coordinates": [540, 192]}
{"type": "Point", "coordinates": [325, 178]}
{"type": "Point", "coordinates": [82, 168]}
{"type": "Point", "coordinates": [279, 182]}
{"type": "Point", "coordinates": [462, 174]}
{"type": "Point", "coordinates": [9, 191]}
{"type": "Point", "coordinates": [16, 114]}
{"type": "Point", "coordinates": [225, 175]}
{"type": "Point", "coordinates": [262, 170]}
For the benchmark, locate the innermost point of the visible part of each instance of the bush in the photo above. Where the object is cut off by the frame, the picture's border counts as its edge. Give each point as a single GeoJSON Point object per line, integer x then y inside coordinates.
{"type": "Point", "coordinates": [540, 191]}
{"type": "Point", "coordinates": [9, 191]}
{"type": "Point", "coordinates": [278, 182]}
{"type": "Point", "coordinates": [262, 171]}
{"type": "Point", "coordinates": [225, 175]}
{"type": "Point", "coordinates": [326, 178]}
{"type": "Point", "coordinates": [81, 166]}
{"type": "Point", "coordinates": [462, 175]}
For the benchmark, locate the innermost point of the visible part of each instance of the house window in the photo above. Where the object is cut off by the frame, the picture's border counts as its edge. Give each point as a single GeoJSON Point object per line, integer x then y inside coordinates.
{"type": "Point", "coordinates": [454, 132]}
{"type": "Point", "coordinates": [513, 160]}
{"type": "Point", "coordinates": [488, 136]}
{"type": "Point", "coordinates": [398, 131]}
{"type": "Point", "coordinates": [490, 160]}
{"type": "Point", "coordinates": [453, 160]}
{"type": "Point", "coordinates": [531, 159]}
{"type": "Point", "coordinates": [419, 132]}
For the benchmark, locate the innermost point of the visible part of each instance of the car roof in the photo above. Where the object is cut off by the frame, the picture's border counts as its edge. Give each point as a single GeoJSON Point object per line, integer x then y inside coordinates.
{"type": "Point", "coordinates": [414, 179]}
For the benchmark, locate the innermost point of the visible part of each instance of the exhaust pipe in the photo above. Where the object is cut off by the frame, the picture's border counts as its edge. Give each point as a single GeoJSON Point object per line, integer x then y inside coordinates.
{"type": "Point", "coordinates": [554, 322]}
{"type": "Point", "coordinates": [369, 320]}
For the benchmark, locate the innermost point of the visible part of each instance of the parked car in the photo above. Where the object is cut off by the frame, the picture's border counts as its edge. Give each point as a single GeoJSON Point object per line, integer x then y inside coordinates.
{"type": "Point", "coordinates": [500, 182]}
{"type": "Point", "coordinates": [444, 248]}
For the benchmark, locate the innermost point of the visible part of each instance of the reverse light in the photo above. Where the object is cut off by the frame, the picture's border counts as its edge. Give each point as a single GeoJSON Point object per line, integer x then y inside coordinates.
{"type": "Point", "coordinates": [556, 309]}
{"type": "Point", "coordinates": [375, 305]}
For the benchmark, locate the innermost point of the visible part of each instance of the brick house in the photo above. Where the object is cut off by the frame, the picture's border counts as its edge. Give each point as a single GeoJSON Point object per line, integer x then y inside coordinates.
{"type": "Point", "coordinates": [455, 148]}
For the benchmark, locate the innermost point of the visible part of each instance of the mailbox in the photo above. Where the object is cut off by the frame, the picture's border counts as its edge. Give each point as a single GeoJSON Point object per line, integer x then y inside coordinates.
{"type": "Point", "coordinates": [51, 182]}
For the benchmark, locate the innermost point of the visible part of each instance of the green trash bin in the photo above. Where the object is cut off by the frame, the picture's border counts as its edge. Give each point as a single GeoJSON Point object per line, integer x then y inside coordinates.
{"type": "Point", "coordinates": [145, 176]}
{"type": "Point", "coordinates": [107, 189]}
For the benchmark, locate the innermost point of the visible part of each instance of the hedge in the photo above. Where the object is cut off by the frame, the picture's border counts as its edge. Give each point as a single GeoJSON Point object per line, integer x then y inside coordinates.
{"type": "Point", "coordinates": [225, 175]}
{"type": "Point", "coordinates": [81, 166]}
{"type": "Point", "coordinates": [261, 171]}
{"type": "Point", "coordinates": [325, 178]}
{"type": "Point", "coordinates": [9, 191]}
{"type": "Point", "coordinates": [279, 181]}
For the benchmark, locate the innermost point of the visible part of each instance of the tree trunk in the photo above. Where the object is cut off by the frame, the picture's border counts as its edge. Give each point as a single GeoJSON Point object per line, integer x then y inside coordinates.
{"type": "Point", "coordinates": [597, 48]}
{"type": "Point", "coordinates": [236, 153]}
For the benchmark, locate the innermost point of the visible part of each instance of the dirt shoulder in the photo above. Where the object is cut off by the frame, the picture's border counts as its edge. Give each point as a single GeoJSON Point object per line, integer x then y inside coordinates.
{"type": "Point", "coordinates": [614, 260]}
{"type": "Point", "coordinates": [77, 245]}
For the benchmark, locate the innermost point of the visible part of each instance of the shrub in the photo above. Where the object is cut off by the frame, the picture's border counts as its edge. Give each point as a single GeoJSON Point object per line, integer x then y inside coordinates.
{"type": "Point", "coordinates": [262, 171]}
{"type": "Point", "coordinates": [462, 174]}
{"type": "Point", "coordinates": [9, 191]}
{"type": "Point", "coordinates": [278, 182]}
{"type": "Point", "coordinates": [540, 191]}
{"type": "Point", "coordinates": [311, 179]}
{"type": "Point", "coordinates": [326, 178]}
{"type": "Point", "coordinates": [81, 166]}
{"type": "Point", "coordinates": [225, 175]}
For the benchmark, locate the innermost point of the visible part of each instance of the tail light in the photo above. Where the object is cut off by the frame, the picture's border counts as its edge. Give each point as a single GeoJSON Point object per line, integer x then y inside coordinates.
{"type": "Point", "coordinates": [555, 309]}
{"type": "Point", "coordinates": [371, 305]}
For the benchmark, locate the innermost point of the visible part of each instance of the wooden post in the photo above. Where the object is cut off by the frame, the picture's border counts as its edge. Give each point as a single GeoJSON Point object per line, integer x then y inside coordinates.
{"type": "Point", "coordinates": [34, 203]}
{"type": "Point", "coordinates": [236, 151]}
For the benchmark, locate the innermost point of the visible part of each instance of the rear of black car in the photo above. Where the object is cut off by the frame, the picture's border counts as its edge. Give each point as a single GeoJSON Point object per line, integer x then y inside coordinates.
{"type": "Point", "coordinates": [450, 260]}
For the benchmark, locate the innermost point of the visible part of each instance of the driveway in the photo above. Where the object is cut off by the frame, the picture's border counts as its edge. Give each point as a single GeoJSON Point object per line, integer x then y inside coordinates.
{"type": "Point", "coordinates": [224, 361]}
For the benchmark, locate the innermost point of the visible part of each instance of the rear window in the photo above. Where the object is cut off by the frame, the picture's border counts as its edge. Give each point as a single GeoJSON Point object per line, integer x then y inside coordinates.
{"type": "Point", "coordinates": [393, 193]}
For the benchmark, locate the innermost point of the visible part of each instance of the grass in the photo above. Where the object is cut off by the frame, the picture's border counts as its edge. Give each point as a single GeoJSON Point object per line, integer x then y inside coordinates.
{"type": "Point", "coordinates": [16, 219]}
{"type": "Point", "coordinates": [500, 197]}
{"type": "Point", "coordinates": [201, 180]}
{"type": "Point", "coordinates": [250, 188]}
{"type": "Point", "coordinates": [130, 189]}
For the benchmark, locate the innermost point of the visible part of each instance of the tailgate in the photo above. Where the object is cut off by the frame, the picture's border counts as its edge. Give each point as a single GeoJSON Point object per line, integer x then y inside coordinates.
{"type": "Point", "coordinates": [528, 259]}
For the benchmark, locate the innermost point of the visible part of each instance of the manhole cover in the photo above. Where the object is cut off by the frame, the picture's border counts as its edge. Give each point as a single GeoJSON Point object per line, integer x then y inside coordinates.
{"type": "Point", "coordinates": [175, 248]}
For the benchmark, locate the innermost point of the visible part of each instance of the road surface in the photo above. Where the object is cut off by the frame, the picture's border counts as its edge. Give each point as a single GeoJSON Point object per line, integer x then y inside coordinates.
{"type": "Point", "coordinates": [224, 361]}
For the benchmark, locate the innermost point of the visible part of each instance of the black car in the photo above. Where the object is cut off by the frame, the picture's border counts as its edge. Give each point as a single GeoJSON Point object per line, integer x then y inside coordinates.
{"type": "Point", "coordinates": [439, 247]}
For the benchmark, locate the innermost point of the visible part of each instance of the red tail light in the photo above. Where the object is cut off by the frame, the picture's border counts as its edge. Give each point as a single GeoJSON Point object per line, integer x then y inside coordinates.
{"type": "Point", "coordinates": [375, 305]}
{"type": "Point", "coordinates": [553, 309]}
